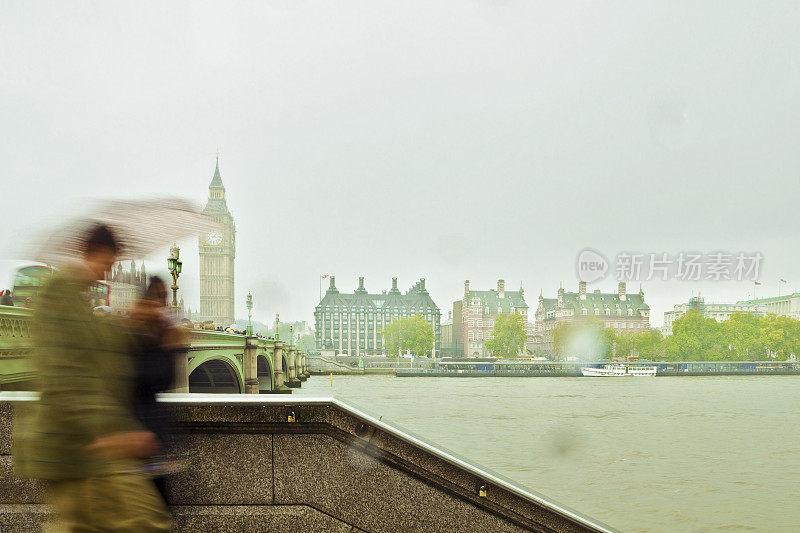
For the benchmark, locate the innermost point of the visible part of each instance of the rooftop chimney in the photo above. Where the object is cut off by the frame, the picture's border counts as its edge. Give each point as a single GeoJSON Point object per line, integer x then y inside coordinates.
{"type": "Point", "coordinates": [466, 287]}
{"type": "Point", "coordinates": [394, 287]}
{"type": "Point", "coordinates": [621, 290]}
{"type": "Point", "coordinates": [501, 288]}
{"type": "Point", "coordinates": [582, 289]}
{"type": "Point", "coordinates": [361, 284]}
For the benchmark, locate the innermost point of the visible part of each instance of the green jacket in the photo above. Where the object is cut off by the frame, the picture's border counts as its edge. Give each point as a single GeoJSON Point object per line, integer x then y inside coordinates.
{"type": "Point", "coordinates": [85, 377]}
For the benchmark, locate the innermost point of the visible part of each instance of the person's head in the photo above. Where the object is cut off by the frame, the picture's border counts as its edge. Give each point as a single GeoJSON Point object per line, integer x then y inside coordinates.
{"type": "Point", "coordinates": [156, 291]}
{"type": "Point", "coordinates": [100, 250]}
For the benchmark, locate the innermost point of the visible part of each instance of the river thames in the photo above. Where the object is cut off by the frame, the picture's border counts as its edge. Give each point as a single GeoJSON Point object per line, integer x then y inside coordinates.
{"type": "Point", "coordinates": [640, 454]}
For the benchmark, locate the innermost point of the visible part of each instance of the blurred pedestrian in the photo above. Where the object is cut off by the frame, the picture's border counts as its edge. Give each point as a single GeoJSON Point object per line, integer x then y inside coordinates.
{"type": "Point", "coordinates": [6, 298]}
{"type": "Point", "coordinates": [157, 343]}
{"type": "Point", "coordinates": [82, 434]}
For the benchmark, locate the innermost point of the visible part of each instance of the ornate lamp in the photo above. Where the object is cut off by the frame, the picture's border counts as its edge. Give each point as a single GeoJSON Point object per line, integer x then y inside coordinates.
{"type": "Point", "coordinates": [249, 313]}
{"type": "Point", "coordinates": [174, 265]}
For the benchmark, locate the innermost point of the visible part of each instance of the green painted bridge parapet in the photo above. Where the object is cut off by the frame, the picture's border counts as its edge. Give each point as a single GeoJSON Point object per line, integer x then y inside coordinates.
{"type": "Point", "coordinates": [215, 361]}
{"type": "Point", "coordinates": [15, 347]}
{"type": "Point", "coordinates": [270, 463]}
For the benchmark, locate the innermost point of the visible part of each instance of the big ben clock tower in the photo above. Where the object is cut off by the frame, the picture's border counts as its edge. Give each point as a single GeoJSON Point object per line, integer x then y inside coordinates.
{"type": "Point", "coordinates": [217, 251]}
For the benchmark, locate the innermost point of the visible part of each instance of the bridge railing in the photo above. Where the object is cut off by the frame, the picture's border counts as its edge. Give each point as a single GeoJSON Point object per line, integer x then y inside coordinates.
{"type": "Point", "coordinates": [15, 346]}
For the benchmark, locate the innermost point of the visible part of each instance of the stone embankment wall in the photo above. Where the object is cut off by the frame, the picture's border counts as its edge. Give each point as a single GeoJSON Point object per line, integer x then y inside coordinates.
{"type": "Point", "coordinates": [269, 464]}
{"type": "Point", "coordinates": [332, 364]}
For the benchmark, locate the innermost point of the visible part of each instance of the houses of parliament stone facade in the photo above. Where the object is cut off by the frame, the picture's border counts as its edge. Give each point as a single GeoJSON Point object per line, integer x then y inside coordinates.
{"type": "Point", "coordinates": [217, 252]}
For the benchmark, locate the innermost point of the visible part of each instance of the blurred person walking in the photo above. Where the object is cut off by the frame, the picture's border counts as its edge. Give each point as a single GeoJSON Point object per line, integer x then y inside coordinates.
{"type": "Point", "coordinates": [82, 434]}
{"type": "Point", "coordinates": [6, 298]}
{"type": "Point", "coordinates": [157, 343]}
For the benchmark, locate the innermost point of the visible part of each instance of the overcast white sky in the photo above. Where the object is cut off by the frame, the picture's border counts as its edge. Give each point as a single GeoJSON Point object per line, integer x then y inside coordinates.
{"type": "Point", "coordinates": [445, 140]}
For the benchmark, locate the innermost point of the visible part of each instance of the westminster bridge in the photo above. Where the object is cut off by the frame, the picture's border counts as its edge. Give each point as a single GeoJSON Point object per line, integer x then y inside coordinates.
{"type": "Point", "coordinates": [216, 361]}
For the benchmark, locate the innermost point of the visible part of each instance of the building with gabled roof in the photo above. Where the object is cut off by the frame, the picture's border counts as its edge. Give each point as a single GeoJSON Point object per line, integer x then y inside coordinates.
{"type": "Point", "coordinates": [126, 287]}
{"type": "Point", "coordinates": [479, 309]}
{"type": "Point", "coordinates": [351, 323]}
{"type": "Point", "coordinates": [619, 311]}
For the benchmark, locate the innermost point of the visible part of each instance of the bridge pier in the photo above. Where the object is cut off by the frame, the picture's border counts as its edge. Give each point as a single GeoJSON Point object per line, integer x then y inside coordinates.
{"type": "Point", "coordinates": [279, 372]}
{"type": "Point", "coordinates": [302, 375]}
{"type": "Point", "coordinates": [181, 383]}
{"type": "Point", "coordinates": [292, 380]}
{"type": "Point", "coordinates": [250, 365]}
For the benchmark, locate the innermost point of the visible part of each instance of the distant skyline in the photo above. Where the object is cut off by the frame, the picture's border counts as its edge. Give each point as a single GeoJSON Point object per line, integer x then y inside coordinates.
{"type": "Point", "coordinates": [450, 140]}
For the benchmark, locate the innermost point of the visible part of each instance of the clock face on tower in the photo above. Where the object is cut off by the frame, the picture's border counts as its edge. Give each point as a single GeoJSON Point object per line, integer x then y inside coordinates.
{"type": "Point", "coordinates": [213, 238]}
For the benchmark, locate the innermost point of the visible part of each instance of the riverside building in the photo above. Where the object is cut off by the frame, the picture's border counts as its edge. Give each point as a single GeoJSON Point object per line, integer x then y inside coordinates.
{"type": "Point", "coordinates": [718, 311]}
{"type": "Point", "coordinates": [479, 309]}
{"type": "Point", "coordinates": [787, 305]}
{"type": "Point", "coordinates": [619, 311]}
{"type": "Point", "coordinates": [352, 323]}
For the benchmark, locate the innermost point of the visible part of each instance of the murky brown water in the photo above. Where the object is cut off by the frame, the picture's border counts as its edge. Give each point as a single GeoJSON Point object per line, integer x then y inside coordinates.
{"type": "Point", "coordinates": [640, 454]}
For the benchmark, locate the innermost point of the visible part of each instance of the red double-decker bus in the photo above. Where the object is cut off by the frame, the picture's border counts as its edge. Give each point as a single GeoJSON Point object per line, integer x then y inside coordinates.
{"type": "Point", "coordinates": [100, 293]}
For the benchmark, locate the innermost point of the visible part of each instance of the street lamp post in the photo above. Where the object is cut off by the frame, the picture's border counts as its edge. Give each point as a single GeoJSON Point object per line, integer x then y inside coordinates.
{"type": "Point", "coordinates": [174, 264]}
{"type": "Point", "coordinates": [249, 313]}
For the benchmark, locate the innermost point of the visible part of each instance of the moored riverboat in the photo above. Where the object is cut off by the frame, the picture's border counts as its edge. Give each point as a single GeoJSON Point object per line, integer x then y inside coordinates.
{"type": "Point", "coordinates": [618, 371]}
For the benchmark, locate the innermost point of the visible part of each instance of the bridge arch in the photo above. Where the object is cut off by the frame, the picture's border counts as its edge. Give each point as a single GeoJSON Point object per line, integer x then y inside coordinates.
{"type": "Point", "coordinates": [215, 373]}
{"type": "Point", "coordinates": [265, 372]}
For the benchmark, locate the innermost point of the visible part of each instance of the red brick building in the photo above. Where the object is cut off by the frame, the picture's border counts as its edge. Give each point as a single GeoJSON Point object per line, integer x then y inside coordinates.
{"type": "Point", "coordinates": [479, 310]}
{"type": "Point", "coordinates": [619, 311]}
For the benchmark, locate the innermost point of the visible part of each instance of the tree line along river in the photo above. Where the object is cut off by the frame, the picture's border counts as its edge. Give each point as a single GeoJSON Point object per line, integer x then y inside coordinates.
{"type": "Point", "coordinates": [715, 453]}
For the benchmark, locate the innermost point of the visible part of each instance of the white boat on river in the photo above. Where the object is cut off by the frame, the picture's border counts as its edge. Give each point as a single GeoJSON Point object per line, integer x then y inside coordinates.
{"type": "Point", "coordinates": [618, 371]}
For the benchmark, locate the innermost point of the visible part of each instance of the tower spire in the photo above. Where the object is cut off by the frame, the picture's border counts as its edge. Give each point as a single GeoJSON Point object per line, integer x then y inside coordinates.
{"type": "Point", "coordinates": [216, 181]}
